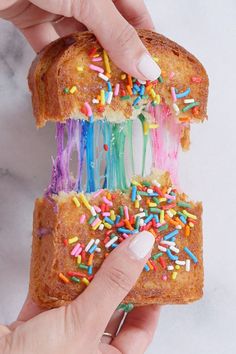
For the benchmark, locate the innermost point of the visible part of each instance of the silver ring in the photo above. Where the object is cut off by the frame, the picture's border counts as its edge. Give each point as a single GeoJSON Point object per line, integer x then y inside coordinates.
{"type": "Point", "coordinates": [107, 334]}
{"type": "Point", "coordinates": [61, 18]}
{"type": "Point", "coordinates": [107, 338]}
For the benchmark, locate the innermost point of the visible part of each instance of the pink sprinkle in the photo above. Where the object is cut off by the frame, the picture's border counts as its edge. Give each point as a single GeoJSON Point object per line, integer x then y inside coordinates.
{"type": "Point", "coordinates": [89, 109]}
{"type": "Point", "coordinates": [159, 224]}
{"type": "Point", "coordinates": [82, 219]}
{"type": "Point", "coordinates": [172, 74]}
{"type": "Point", "coordinates": [106, 213]}
{"type": "Point", "coordinates": [96, 68]}
{"type": "Point", "coordinates": [106, 201]}
{"type": "Point", "coordinates": [126, 211]}
{"type": "Point", "coordinates": [75, 249]}
{"type": "Point", "coordinates": [95, 222]}
{"type": "Point", "coordinates": [97, 209]}
{"type": "Point", "coordinates": [173, 94]}
{"type": "Point", "coordinates": [125, 235]}
{"type": "Point", "coordinates": [97, 193]}
{"type": "Point", "coordinates": [117, 89]}
{"type": "Point", "coordinates": [97, 59]}
{"type": "Point", "coordinates": [168, 196]}
{"type": "Point", "coordinates": [164, 277]}
{"type": "Point", "coordinates": [196, 79]}
{"type": "Point", "coordinates": [78, 252]}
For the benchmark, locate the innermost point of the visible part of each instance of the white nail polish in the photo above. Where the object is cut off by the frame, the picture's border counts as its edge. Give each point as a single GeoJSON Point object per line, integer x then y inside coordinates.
{"type": "Point", "coordinates": [148, 67]}
{"type": "Point", "coordinates": [141, 244]}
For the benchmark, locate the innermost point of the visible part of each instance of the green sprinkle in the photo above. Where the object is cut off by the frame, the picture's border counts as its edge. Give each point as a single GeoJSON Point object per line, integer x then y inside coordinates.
{"type": "Point", "coordinates": [82, 266]}
{"type": "Point", "coordinates": [137, 222]}
{"type": "Point", "coordinates": [164, 227]}
{"type": "Point", "coordinates": [156, 200]}
{"type": "Point", "coordinates": [179, 213]}
{"type": "Point", "coordinates": [146, 183]}
{"type": "Point", "coordinates": [184, 204]}
{"type": "Point", "coordinates": [157, 255]}
{"type": "Point", "coordinates": [129, 307]}
{"type": "Point", "coordinates": [142, 193]}
{"type": "Point", "coordinates": [155, 210]}
{"type": "Point", "coordinates": [75, 279]}
{"type": "Point", "coordinates": [66, 90]}
{"type": "Point", "coordinates": [160, 79]}
{"type": "Point", "coordinates": [154, 104]}
{"type": "Point", "coordinates": [123, 98]}
{"type": "Point", "coordinates": [121, 209]}
{"type": "Point", "coordinates": [91, 220]}
{"type": "Point", "coordinates": [189, 106]}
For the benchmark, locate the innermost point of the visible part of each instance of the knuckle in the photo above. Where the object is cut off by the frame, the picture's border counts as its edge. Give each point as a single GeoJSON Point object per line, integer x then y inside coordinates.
{"type": "Point", "coordinates": [119, 280]}
{"type": "Point", "coordinates": [81, 9]}
{"type": "Point", "coordinates": [125, 37]}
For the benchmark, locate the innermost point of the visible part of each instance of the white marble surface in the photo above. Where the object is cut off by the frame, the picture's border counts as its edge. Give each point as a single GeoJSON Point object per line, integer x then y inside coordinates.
{"type": "Point", "coordinates": [208, 173]}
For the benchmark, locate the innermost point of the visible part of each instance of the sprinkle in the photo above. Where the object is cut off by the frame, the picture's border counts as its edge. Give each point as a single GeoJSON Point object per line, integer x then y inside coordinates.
{"type": "Point", "coordinates": [184, 204]}
{"type": "Point", "coordinates": [106, 201]}
{"type": "Point", "coordinates": [162, 214]}
{"type": "Point", "coordinates": [110, 96]}
{"type": "Point", "coordinates": [171, 234]}
{"type": "Point", "coordinates": [174, 275]}
{"type": "Point", "coordinates": [127, 231]}
{"type": "Point", "coordinates": [90, 243]}
{"type": "Point", "coordinates": [73, 89]}
{"type": "Point", "coordinates": [170, 267]}
{"type": "Point", "coordinates": [108, 220]}
{"type": "Point", "coordinates": [177, 267]}
{"type": "Point", "coordinates": [101, 227]}
{"type": "Point", "coordinates": [75, 249]}
{"type": "Point", "coordinates": [66, 90]}
{"type": "Point", "coordinates": [64, 278]}
{"type": "Point", "coordinates": [171, 256]}
{"type": "Point", "coordinates": [113, 240]}
{"type": "Point", "coordinates": [123, 76]}
{"type": "Point", "coordinates": [161, 248]}
{"type": "Point", "coordinates": [191, 255]}
{"type": "Point", "coordinates": [75, 279]}
{"type": "Point", "coordinates": [80, 68]}
{"type": "Point", "coordinates": [182, 263]}
{"type": "Point", "coordinates": [93, 212]}
{"type": "Point", "coordinates": [83, 266]}
{"type": "Point", "coordinates": [96, 68]}
{"type": "Point", "coordinates": [137, 100]}
{"type": "Point", "coordinates": [189, 100]}
{"type": "Point", "coordinates": [93, 248]}
{"type": "Point", "coordinates": [164, 277]}
{"type": "Point", "coordinates": [162, 262]}
{"type": "Point", "coordinates": [78, 261]}
{"type": "Point", "coordinates": [169, 243]}
{"type": "Point", "coordinates": [171, 76]}
{"type": "Point", "coordinates": [183, 94]}
{"type": "Point", "coordinates": [73, 240]}
{"type": "Point", "coordinates": [146, 267]}
{"type": "Point", "coordinates": [172, 89]}
{"type": "Point", "coordinates": [90, 260]}
{"type": "Point", "coordinates": [106, 62]}
{"type": "Point", "coordinates": [96, 59]}
{"type": "Point", "coordinates": [196, 79]}
{"type": "Point", "coordinates": [96, 224]}
{"type": "Point", "coordinates": [85, 281]}
{"type": "Point", "coordinates": [176, 108]}
{"type": "Point", "coordinates": [156, 256]}
{"type": "Point", "coordinates": [126, 212]}
{"type": "Point", "coordinates": [117, 89]}
{"type": "Point", "coordinates": [149, 218]}
{"type": "Point", "coordinates": [185, 212]}
{"type": "Point", "coordinates": [187, 266]}
{"type": "Point", "coordinates": [191, 105]}
{"type": "Point", "coordinates": [77, 203]}
{"type": "Point", "coordinates": [82, 219]}
{"type": "Point", "coordinates": [85, 201]}
{"type": "Point", "coordinates": [174, 249]}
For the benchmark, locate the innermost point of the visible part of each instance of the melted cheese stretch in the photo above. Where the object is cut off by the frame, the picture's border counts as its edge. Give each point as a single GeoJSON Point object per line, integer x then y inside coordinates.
{"type": "Point", "coordinates": [104, 151]}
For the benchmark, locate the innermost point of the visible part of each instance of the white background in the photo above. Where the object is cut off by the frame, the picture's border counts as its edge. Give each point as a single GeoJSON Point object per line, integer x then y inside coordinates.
{"type": "Point", "coordinates": [208, 173]}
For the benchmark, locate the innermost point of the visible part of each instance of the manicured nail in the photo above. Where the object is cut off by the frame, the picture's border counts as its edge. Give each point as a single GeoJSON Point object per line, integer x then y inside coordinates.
{"type": "Point", "coordinates": [148, 67]}
{"type": "Point", "coordinates": [141, 244]}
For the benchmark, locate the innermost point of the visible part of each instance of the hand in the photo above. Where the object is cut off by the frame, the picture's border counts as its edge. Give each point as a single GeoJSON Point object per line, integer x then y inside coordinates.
{"type": "Point", "coordinates": [111, 21]}
{"type": "Point", "coordinates": [79, 327]}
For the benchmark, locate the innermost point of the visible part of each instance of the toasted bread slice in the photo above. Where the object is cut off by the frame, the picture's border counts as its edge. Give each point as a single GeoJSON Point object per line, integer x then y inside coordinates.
{"type": "Point", "coordinates": [60, 223]}
{"type": "Point", "coordinates": [61, 81]}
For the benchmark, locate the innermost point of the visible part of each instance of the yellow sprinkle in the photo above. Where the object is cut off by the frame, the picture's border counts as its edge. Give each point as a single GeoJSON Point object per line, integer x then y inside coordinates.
{"type": "Point", "coordinates": [136, 204]}
{"type": "Point", "coordinates": [191, 224]}
{"type": "Point", "coordinates": [123, 76]}
{"type": "Point", "coordinates": [145, 128]}
{"type": "Point", "coordinates": [64, 278]}
{"type": "Point", "coordinates": [97, 225]}
{"type": "Point", "coordinates": [102, 94]}
{"type": "Point", "coordinates": [106, 62]}
{"type": "Point", "coordinates": [108, 226]}
{"type": "Point", "coordinates": [77, 203]}
{"type": "Point", "coordinates": [156, 59]}
{"type": "Point", "coordinates": [135, 183]}
{"type": "Point", "coordinates": [189, 215]}
{"type": "Point", "coordinates": [85, 281]}
{"type": "Point", "coordinates": [73, 89]}
{"type": "Point", "coordinates": [158, 99]}
{"type": "Point", "coordinates": [153, 126]}
{"type": "Point", "coordinates": [79, 259]}
{"type": "Point", "coordinates": [80, 68]}
{"type": "Point", "coordinates": [112, 215]}
{"type": "Point", "coordinates": [73, 240]}
{"type": "Point", "coordinates": [162, 214]}
{"type": "Point", "coordinates": [108, 195]}
{"type": "Point", "coordinates": [173, 211]}
{"type": "Point", "coordinates": [162, 200]}
{"type": "Point", "coordinates": [152, 205]}
{"type": "Point", "coordinates": [174, 275]}
{"type": "Point", "coordinates": [177, 266]}
{"type": "Point", "coordinates": [152, 93]}
{"type": "Point", "coordinates": [85, 201]}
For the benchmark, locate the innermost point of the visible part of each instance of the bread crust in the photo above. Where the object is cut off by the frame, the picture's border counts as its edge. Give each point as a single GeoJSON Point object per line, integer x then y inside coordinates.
{"type": "Point", "coordinates": [58, 218]}
{"type": "Point", "coordinates": [54, 69]}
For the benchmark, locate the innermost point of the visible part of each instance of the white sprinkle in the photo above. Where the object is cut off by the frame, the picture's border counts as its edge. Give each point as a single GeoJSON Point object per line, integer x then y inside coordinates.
{"type": "Point", "coordinates": [189, 100]}
{"type": "Point", "coordinates": [141, 209]}
{"type": "Point", "coordinates": [181, 263]}
{"type": "Point", "coordinates": [141, 223]}
{"type": "Point", "coordinates": [142, 215]}
{"type": "Point", "coordinates": [94, 100]}
{"type": "Point", "coordinates": [176, 108]}
{"type": "Point", "coordinates": [169, 190]}
{"type": "Point", "coordinates": [112, 240]}
{"type": "Point", "coordinates": [139, 197]}
{"type": "Point", "coordinates": [97, 241]}
{"type": "Point", "coordinates": [169, 243]}
{"type": "Point", "coordinates": [163, 249]}
{"type": "Point", "coordinates": [103, 77]}
{"type": "Point", "coordinates": [109, 98]}
{"type": "Point", "coordinates": [170, 267]}
{"type": "Point", "coordinates": [174, 249]}
{"type": "Point", "coordinates": [157, 184]}
{"type": "Point", "coordinates": [169, 213]}
{"type": "Point", "coordinates": [101, 227]}
{"type": "Point", "coordinates": [150, 191]}
{"type": "Point", "coordinates": [93, 212]}
{"type": "Point", "coordinates": [178, 227]}
{"type": "Point", "coordinates": [91, 242]}
{"type": "Point", "coordinates": [187, 267]}
{"type": "Point", "coordinates": [98, 249]}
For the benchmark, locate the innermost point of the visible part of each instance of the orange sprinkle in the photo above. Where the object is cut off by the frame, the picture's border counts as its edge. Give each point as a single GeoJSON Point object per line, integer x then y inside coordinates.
{"type": "Point", "coordinates": [128, 225]}
{"type": "Point", "coordinates": [108, 75]}
{"type": "Point", "coordinates": [164, 190]}
{"type": "Point", "coordinates": [187, 230]}
{"type": "Point", "coordinates": [83, 110]}
{"type": "Point", "coordinates": [130, 82]}
{"type": "Point", "coordinates": [64, 278]}
{"type": "Point", "coordinates": [195, 110]}
{"type": "Point", "coordinates": [150, 265]}
{"type": "Point", "coordinates": [179, 221]}
{"type": "Point", "coordinates": [153, 232]}
{"type": "Point", "coordinates": [129, 90]}
{"type": "Point", "coordinates": [109, 195]}
{"type": "Point", "coordinates": [184, 119]}
{"type": "Point", "coordinates": [170, 220]}
{"type": "Point", "coordinates": [148, 87]}
{"type": "Point", "coordinates": [90, 260]}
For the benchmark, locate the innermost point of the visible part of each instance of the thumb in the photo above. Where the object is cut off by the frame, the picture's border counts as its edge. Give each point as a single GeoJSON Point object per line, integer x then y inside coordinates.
{"type": "Point", "coordinates": [117, 275]}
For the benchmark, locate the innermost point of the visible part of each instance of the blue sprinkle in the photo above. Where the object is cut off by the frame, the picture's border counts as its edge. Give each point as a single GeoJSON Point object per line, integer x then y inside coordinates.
{"type": "Point", "coordinates": [171, 256]}
{"type": "Point", "coordinates": [136, 87]}
{"type": "Point", "coordinates": [156, 218]}
{"type": "Point", "coordinates": [118, 217]}
{"type": "Point", "coordinates": [92, 249]}
{"type": "Point", "coordinates": [134, 91]}
{"type": "Point", "coordinates": [173, 239]}
{"type": "Point", "coordinates": [182, 218]}
{"type": "Point", "coordinates": [108, 220]}
{"type": "Point", "coordinates": [183, 94]}
{"type": "Point", "coordinates": [126, 231]}
{"type": "Point", "coordinates": [149, 218]}
{"type": "Point", "coordinates": [136, 101]}
{"type": "Point", "coordinates": [146, 267]}
{"type": "Point", "coordinates": [171, 234]}
{"type": "Point", "coordinates": [153, 194]}
{"type": "Point", "coordinates": [194, 258]}
{"type": "Point", "coordinates": [114, 245]}
{"type": "Point", "coordinates": [142, 90]}
{"type": "Point", "coordinates": [109, 86]}
{"type": "Point", "coordinates": [91, 118]}
{"type": "Point", "coordinates": [90, 270]}
{"type": "Point", "coordinates": [106, 96]}
{"type": "Point", "coordinates": [133, 193]}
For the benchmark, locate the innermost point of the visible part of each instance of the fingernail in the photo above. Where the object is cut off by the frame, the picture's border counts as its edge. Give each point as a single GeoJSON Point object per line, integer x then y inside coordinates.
{"type": "Point", "coordinates": [148, 67]}
{"type": "Point", "coordinates": [141, 244]}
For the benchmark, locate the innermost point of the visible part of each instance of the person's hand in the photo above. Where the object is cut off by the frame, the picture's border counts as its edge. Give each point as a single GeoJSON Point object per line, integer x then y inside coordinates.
{"type": "Point", "coordinates": [79, 326]}
{"type": "Point", "coordinates": [111, 21]}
